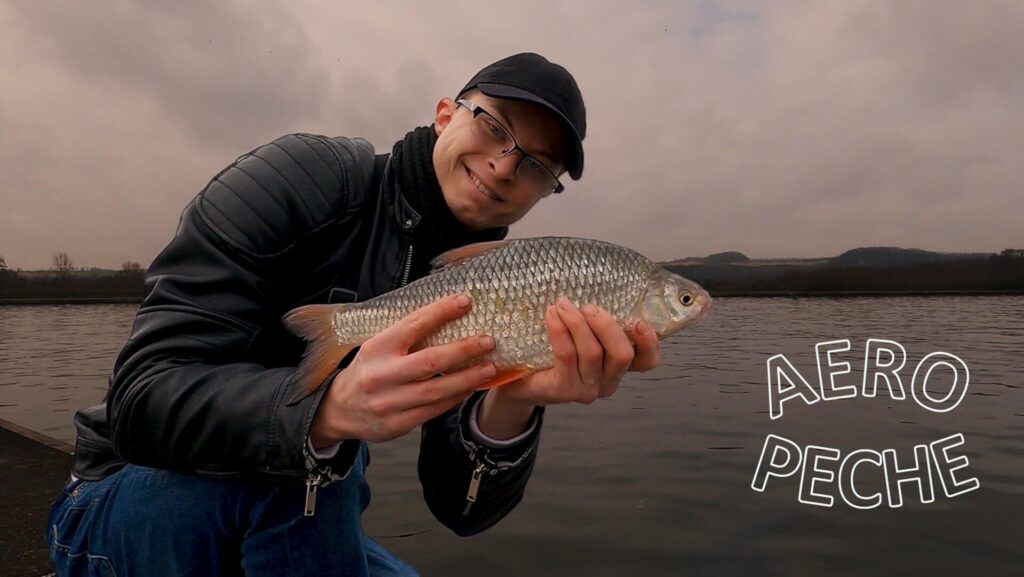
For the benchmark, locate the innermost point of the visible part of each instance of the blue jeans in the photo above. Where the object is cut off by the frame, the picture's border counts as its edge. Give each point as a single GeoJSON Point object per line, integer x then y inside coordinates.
{"type": "Point", "coordinates": [142, 521]}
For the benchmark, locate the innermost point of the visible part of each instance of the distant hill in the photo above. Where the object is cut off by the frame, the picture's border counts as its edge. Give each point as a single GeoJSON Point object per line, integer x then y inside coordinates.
{"type": "Point", "coordinates": [894, 256]}
{"type": "Point", "coordinates": [728, 257]}
{"type": "Point", "coordinates": [868, 269]}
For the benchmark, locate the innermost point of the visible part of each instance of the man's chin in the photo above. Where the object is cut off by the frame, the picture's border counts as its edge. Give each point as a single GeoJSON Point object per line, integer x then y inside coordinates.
{"type": "Point", "coordinates": [470, 218]}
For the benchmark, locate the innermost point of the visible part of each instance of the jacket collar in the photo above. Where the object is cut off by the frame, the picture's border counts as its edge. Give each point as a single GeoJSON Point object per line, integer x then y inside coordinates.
{"type": "Point", "coordinates": [415, 201]}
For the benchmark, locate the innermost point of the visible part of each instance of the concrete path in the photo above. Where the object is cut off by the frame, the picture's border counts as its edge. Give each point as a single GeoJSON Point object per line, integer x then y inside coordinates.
{"type": "Point", "coordinates": [33, 469]}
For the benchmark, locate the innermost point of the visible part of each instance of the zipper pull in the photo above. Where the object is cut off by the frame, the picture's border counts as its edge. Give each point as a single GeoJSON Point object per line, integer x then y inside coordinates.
{"type": "Point", "coordinates": [474, 487]}
{"type": "Point", "coordinates": [312, 484]}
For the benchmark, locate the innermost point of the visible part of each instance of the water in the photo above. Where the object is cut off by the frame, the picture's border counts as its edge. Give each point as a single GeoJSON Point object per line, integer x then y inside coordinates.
{"type": "Point", "coordinates": [56, 359]}
{"type": "Point", "coordinates": [656, 480]}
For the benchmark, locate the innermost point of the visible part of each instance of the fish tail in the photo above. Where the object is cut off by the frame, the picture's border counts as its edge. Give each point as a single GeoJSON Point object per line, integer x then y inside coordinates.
{"type": "Point", "coordinates": [323, 351]}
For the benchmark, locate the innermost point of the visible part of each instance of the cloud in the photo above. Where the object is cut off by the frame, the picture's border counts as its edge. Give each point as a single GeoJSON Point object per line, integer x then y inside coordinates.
{"type": "Point", "coordinates": [221, 71]}
{"type": "Point", "coordinates": [777, 129]}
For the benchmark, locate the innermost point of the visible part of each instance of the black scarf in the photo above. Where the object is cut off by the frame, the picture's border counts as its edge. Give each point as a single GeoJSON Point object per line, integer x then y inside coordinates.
{"type": "Point", "coordinates": [412, 175]}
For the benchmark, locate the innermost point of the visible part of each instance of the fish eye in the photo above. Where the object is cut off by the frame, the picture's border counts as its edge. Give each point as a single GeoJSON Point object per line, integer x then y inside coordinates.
{"type": "Point", "coordinates": [686, 299]}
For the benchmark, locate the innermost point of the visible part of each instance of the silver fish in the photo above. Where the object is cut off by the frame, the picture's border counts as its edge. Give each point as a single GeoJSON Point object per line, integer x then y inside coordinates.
{"type": "Point", "coordinates": [511, 282]}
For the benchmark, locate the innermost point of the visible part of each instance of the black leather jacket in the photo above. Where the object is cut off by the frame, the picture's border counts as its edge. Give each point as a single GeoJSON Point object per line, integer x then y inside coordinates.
{"type": "Point", "coordinates": [202, 383]}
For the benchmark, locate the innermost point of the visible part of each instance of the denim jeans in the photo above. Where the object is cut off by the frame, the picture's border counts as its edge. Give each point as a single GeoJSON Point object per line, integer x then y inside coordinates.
{"type": "Point", "coordinates": [142, 521]}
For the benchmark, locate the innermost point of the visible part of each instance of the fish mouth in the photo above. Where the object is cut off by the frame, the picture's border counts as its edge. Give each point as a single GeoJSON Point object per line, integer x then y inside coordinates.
{"type": "Point", "coordinates": [705, 305]}
{"type": "Point", "coordinates": [702, 300]}
{"type": "Point", "coordinates": [475, 180]}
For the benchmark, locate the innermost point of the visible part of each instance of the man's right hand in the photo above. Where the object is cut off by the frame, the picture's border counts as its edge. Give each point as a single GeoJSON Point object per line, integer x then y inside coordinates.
{"type": "Point", "coordinates": [387, 390]}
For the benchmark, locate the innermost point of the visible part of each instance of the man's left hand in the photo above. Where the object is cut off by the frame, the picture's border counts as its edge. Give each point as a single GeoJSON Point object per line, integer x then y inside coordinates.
{"type": "Point", "coordinates": [591, 355]}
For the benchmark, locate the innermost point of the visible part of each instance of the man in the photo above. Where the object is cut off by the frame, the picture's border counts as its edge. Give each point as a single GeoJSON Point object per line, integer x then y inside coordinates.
{"type": "Point", "coordinates": [225, 476]}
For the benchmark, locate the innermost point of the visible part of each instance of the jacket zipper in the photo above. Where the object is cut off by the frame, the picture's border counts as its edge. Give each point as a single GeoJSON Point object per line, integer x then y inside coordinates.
{"type": "Point", "coordinates": [319, 476]}
{"type": "Point", "coordinates": [407, 268]}
{"type": "Point", "coordinates": [474, 486]}
{"type": "Point", "coordinates": [312, 484]}
{"type": "Point", "coordinates": [483, 464]}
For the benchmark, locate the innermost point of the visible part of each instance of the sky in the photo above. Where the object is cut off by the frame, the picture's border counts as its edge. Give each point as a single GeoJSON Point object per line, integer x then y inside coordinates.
{"type": "Point", "coordinates": [777, 129]}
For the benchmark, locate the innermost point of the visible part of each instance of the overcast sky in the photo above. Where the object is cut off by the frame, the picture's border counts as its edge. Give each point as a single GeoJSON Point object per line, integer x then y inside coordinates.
{"type": "Point", "coordinates": [778, 129]}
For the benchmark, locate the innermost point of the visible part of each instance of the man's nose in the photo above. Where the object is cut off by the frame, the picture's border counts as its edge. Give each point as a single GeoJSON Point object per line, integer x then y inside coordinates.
{"type": "Point", "coordinates": [505, 166]}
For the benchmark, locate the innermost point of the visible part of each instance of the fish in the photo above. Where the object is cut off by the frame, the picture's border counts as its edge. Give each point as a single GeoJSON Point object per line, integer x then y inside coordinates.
{"type": "Point", "coordinates": [511, 283]}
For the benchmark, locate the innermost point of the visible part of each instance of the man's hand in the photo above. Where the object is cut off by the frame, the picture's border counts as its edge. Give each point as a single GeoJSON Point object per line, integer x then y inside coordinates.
{"type": "Point", "coordinates": [591, 354]}
{"type": "Point", "coordinates": [387, 391]}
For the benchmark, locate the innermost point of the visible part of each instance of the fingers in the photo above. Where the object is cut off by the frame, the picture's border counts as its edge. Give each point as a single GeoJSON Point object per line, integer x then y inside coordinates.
{"type": "Point", "coordinates": [618, 351]}
{"type": "Point", "coordinates": [604, 350]}
{"type": "Point", "coordinates": [588, 349]}
{"type": "Point", "coordinates": [438, 390]}
{"type": "Point", "coordinates": [423, 413]}
{"type": "Point", "coordinates": [428, 362]}
{"type": "Point", "coordinates": [419, 324]}
{"type": "Point", "coordinates": [386, 390]}
{"type": "Point", "coordinates": [391, 417]}
{"type": "Point", "coordinates": [647, 348]}
{"type": "Point", "coordinates": [566, 364]}
{"type": "Point", "coordinates": [393, 413]}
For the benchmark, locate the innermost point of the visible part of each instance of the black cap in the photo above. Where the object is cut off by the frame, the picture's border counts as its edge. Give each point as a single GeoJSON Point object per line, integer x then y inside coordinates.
{"type": "Point", "coordinates": [533, 78]}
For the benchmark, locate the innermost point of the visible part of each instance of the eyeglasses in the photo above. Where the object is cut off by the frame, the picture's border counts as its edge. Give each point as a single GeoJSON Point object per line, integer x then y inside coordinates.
{"type": "Point", "coordinates": [501, 143]}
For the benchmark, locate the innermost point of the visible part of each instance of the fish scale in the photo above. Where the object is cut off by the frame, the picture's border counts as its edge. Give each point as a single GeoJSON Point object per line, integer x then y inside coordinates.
{"type": "Point", "coordinates": [512, 283]}
{"type": "Point", "coordinates": [511, 288]}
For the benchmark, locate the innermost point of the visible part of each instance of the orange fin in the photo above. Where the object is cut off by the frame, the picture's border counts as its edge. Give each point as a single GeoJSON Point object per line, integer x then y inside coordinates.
{"type": "Point", "coordinates": [505, 377]}
{"type": "Point", "coordinates": [323, 351]}
{"type": "Point", "coordinates": [457, 255]}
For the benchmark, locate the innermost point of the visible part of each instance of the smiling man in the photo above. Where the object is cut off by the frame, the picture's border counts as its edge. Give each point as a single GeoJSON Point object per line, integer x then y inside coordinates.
{"type": "Point", "coordinates": [197, 463]}
{"type": "Point", "coordinates": [475, 152]}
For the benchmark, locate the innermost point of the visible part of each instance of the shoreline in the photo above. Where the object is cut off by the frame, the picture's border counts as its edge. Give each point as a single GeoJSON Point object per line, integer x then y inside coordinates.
{"type": "Point", "coordinates": [73, 301]}
{"type": "Point", "coordinates": [41, 438]}
{"type": "Point", "coordinates": [714, 294]}
{"type": "Point", "coordinates": [848, 294]}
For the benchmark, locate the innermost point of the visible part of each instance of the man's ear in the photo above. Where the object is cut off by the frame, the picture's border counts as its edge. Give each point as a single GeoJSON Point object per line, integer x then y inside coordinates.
{"type": "Point", "coordinates": [443, 115]}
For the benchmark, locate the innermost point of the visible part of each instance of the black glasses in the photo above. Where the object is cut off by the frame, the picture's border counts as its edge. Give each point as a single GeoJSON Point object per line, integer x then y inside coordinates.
{"type": "Point", "coordinates": [500, 143]}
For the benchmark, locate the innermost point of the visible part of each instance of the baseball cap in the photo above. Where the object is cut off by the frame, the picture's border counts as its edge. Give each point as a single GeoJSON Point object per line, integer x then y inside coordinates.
{"type": "Point", "coordinates": [531, 77]}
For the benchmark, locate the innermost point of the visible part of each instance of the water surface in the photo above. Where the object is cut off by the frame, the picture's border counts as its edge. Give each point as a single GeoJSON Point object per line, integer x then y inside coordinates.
{"type": "Point", "coordinates": [656, 480]}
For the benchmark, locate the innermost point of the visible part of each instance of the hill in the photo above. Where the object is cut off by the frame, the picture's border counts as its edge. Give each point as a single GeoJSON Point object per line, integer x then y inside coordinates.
{"type": "Point", "coordinates": [894, 256]}
{"type": "Point", "coordinates": [872, 269]}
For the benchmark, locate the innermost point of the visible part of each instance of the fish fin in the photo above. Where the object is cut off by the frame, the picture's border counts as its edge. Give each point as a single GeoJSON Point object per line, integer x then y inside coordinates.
{"type": "Point", "coordinates": [457, 255]}
{"type": "Point", "coordinates": [323, 351]}
{"type": "Point", "coordinates": [505, 377]}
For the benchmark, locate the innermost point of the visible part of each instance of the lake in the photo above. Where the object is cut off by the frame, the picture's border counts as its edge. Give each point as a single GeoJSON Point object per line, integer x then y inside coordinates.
{"type": "Point", "coordinates": [657, 479]}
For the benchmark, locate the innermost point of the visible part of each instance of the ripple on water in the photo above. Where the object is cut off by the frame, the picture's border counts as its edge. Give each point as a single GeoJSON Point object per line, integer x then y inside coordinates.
{"type": "Point", "coordinates": [656, 480]}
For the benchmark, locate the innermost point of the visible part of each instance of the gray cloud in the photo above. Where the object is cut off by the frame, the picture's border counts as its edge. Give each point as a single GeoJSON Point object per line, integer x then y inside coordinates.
{"type": "Point", "coordinates": [221, 70]}
{"type": "Point", "coordinates": [777, 129]}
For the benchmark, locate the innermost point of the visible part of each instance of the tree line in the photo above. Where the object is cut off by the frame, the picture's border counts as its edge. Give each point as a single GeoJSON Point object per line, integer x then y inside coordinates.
{"type": "Point", "coordinates": [64, 281]}
{"type": "Point", "coordinates": [1003, 272]}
